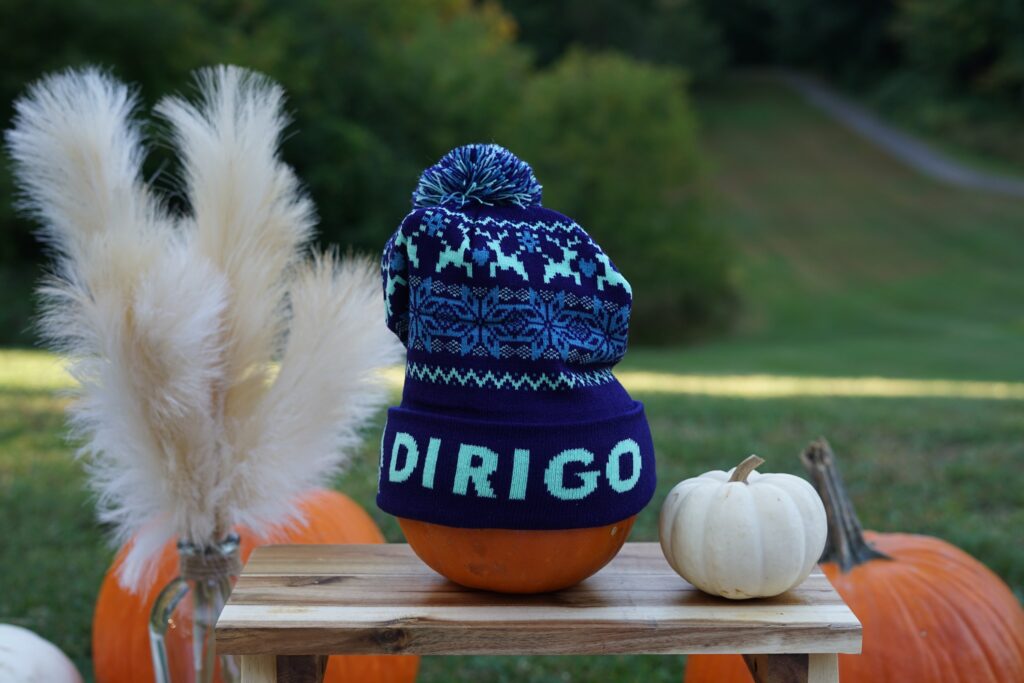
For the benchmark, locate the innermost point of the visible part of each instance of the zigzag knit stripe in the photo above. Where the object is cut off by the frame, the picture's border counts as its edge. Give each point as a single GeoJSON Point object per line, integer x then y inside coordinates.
{"type": "Point", "coordinates": [528, 381]}
{"type": "Point", "coordinates": [507, 223]}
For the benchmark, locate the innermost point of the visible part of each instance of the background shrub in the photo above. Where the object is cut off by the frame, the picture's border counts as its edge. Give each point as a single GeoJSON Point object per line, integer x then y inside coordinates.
{"type": "Point", "coordinates": [614, 144]}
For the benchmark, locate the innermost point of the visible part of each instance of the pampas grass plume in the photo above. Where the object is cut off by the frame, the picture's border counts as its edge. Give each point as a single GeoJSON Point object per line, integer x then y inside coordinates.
{"type": "Point", "coordinates": [173, 324]}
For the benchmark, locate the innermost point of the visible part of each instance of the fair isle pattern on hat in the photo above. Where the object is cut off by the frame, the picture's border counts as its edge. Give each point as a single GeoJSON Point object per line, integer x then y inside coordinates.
{"type": "Point", "coordinates": [512, 317]}
{"type": "Point", "coordinates": [567, 317]}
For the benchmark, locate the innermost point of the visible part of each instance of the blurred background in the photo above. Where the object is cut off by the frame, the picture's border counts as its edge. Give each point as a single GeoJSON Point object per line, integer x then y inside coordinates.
{"type": "Point", "coordinates": [798, 191]}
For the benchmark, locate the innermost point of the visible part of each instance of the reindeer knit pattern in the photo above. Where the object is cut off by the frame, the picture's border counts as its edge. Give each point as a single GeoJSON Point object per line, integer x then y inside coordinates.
{"type": "Point", "coordinates": [512, 317]}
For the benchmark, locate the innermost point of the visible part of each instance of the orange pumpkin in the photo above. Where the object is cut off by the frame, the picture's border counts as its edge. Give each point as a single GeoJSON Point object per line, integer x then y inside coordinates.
{"type": "Point", "coordinates": [120, 636]}
{"type": "Point", "coordinates": [930, 611]}
{"type": "Point", "coordinates": [512, 560]}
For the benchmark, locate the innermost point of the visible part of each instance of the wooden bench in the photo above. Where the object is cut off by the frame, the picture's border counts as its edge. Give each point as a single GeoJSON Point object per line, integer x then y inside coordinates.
{"type": "Point", "coordinates": [293, 605]}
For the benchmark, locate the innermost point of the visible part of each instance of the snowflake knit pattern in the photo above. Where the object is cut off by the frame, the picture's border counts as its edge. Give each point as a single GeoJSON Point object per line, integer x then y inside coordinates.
{"type": "Point", "coordinates": [512, 317]}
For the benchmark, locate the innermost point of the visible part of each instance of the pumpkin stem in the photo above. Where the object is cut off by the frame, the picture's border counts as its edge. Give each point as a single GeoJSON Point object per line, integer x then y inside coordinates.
{"type": "Point", "coordinates": [845, 545]}
{"type": "Point", "coordinates": [743, 470]}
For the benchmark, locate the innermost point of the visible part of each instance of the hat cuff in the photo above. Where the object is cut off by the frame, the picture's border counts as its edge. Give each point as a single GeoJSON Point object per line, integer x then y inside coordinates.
{"type": "Point", "coordinates": [513, 475]}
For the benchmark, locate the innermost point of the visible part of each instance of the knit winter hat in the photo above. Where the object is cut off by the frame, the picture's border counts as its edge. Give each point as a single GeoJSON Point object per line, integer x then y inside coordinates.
{"type": "Point", "coordinates": [513, 318]}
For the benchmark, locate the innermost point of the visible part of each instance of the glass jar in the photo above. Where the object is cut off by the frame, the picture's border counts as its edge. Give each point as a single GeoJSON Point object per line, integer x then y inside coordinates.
{"type": "Point", "coordinates": [181, 625]}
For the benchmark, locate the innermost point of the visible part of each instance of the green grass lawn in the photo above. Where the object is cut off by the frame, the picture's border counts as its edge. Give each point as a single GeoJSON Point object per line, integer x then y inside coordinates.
{"type": "Point", "coordinates": [849, 266]}
{"type": "Point", "coordinates": [949, 467]}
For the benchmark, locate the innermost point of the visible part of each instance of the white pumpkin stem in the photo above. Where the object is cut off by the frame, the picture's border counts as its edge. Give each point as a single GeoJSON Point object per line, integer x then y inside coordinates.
{"type": "Point", "coordinates": [743, 470]}
{"type": "Point", "coordinates": [846, 545]}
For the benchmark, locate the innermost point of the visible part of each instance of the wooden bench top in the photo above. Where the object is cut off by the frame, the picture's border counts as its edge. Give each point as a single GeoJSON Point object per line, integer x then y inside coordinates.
{"type": "Point", "coordinates": [381, 599]}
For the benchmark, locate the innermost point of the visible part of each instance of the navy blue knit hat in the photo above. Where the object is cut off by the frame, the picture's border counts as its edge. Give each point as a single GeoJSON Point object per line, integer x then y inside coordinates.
{"type": "Point", "coordinates": [513, 318]}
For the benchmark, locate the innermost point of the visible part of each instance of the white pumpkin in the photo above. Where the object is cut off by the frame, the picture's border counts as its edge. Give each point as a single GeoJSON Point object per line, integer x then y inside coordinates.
{"type": "Point", "coordinates": [741, 534]}
{"type": "Point", "coordinates": [28, 658]}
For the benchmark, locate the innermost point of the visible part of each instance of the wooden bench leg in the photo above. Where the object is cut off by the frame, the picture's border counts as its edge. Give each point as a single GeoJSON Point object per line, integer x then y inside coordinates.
{"type": "Point", "coordinates": [823, 669]}
{"type": "Point", "coordinates": [259, 669]}
{"type": "Point", "coordinates": [793, 668]}
{"type": "Point", "coordinates": [283, 669]}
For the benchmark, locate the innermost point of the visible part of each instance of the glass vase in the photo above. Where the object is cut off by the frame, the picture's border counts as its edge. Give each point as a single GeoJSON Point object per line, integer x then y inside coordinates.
{"type": "Point", "coordinates": [181, 625]}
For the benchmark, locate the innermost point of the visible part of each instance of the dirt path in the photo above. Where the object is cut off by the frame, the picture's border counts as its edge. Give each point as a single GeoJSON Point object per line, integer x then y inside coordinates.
{"type": "Point", "coordinates": [907, 148]}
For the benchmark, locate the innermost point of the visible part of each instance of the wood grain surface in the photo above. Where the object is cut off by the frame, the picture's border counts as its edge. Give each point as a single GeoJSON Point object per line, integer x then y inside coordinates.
{"type": "Point", "coordinates": [380, 599]}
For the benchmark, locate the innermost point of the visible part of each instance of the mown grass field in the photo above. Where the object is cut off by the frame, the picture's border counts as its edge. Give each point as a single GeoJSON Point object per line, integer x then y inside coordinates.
{"type": "Point", "coordinates": [850, 266]}
{"type": "Point", "coordinates": [850, 263]}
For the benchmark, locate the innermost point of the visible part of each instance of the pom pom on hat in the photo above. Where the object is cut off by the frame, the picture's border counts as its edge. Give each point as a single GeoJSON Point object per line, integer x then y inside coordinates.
{"type": "Point", "coordinates": [484, 173]}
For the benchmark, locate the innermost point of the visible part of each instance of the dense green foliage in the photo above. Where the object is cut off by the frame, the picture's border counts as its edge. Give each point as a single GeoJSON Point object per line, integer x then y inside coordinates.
{"type": "Point", "coordinates": [962, 74]}
{"type": "Point", "coordinates": [849, 40]}
{"type": "Point", "coordinates": [950, 68]}
{"type": "Point", "coordinates": [667, 31]}
{"type": "Point", "coordinates": [380, 90]}
{"type": "Point", "coordinates": [636, 199]}
{"type": "Point", "coordinates": [965, 45]}
{"type": "Point", "coordinates": [955, 47]}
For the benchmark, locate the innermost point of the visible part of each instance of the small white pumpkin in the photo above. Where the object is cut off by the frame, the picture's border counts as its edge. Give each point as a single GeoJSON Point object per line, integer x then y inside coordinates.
{"type": "Point", "coordinates": [28, 658]}
{"type": "Point", "coordinates": [741, 534]}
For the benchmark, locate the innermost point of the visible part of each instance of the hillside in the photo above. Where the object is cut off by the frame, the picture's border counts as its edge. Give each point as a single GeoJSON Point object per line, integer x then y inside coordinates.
{"type": "Point", "coordinates": [849, 263]}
